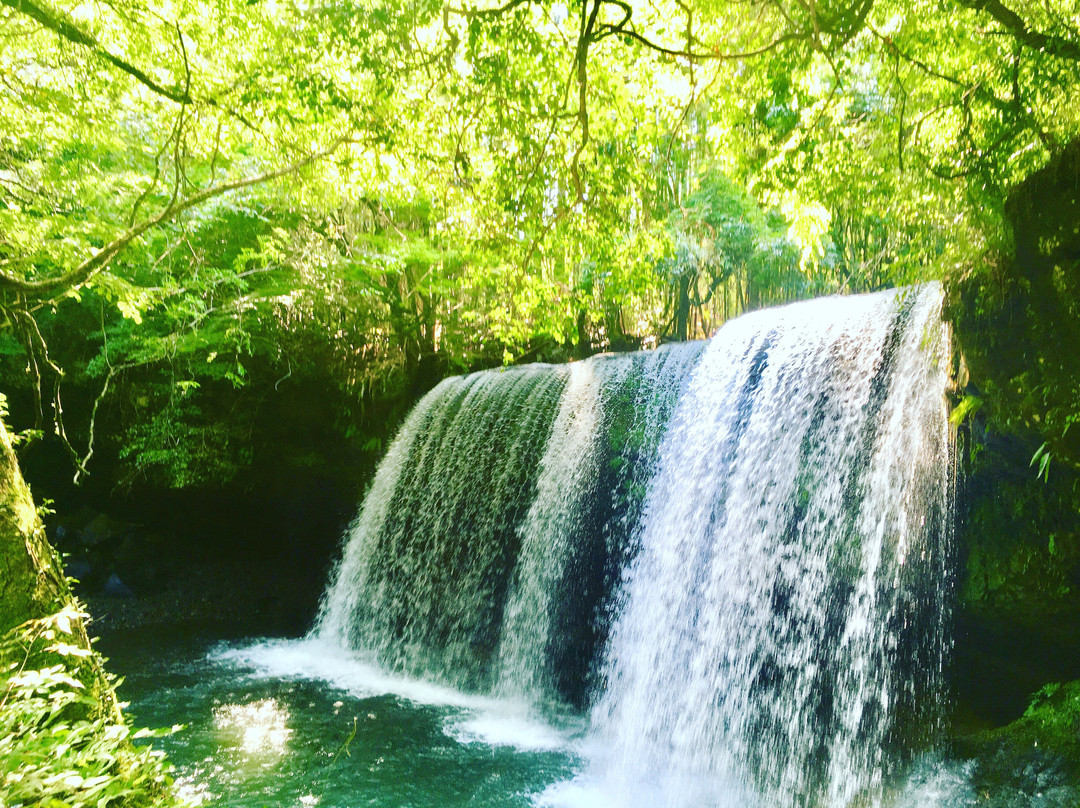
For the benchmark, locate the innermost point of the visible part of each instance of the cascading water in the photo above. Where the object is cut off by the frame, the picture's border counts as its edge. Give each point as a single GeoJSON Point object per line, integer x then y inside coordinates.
{"type": "Point", "coordinates": [423, 579]}
{"type": "Point", "coordinates": [733, 556]}
{"type": "Point", "coordinates": [567, 473]}
{"type": "Point", "coordinates": [786, 606]}
{"type": "Point", "coordinates": [484, 553]}
{"type": "Point", "coordinates": [603, 444]}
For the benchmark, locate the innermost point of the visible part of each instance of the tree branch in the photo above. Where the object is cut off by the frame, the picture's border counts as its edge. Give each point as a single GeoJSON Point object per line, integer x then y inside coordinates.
{"type": "Point", "coordinates": [1017, 27]}
{"type": "Point", "coordinates": [81, 464]}
{"type": "Point", "coordinates": [978, 90]}
{"type": "Point", "coordinates": [98, 261]}
{"type": "Point", "coordinates": [607, 30]}
{"type": "Point", "coordinates": [470, 13]}
{"type": "Point", "coordinates": [581, 57]}
{"type": "Point", "coordinates": [72, 33]}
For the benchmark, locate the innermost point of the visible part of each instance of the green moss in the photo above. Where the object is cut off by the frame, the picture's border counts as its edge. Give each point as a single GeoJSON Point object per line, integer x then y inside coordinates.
{"type": "Point", "coordinates": [1049, 731]}
{"type": "Point", "coordinates": [31, 583]}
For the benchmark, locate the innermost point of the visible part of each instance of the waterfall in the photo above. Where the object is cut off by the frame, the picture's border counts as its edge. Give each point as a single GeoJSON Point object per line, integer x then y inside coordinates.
{"type": "Point", "coordinates": [793, 550]}
{"type": "Point", "coordinates": [731, 556]}
{"type": "Point", "coordinates": [422, 582]}
{"type": "Point", "coordinates": [646, 385]}
{"type": "Point", "coordinates": [567, 472]}
{"type": "Point", "coordinates": [485, 552]}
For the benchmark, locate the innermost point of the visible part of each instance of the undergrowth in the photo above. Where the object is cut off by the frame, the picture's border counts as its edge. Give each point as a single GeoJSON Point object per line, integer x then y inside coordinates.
{"type": "Point", "coordinates": [63, 740]}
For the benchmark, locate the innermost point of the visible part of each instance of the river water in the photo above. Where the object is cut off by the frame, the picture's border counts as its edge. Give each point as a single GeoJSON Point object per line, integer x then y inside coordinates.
{"type": "Point", "coordinates": [282, 723]}
{"type": "Point", "coordinates": [275, 723]}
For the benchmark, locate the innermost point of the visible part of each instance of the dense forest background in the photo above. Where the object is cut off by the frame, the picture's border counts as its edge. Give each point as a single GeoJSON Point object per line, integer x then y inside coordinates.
{"type": "Point", "coordinates": [238, 239]}
{"type": "Point", "coordinates": [213, 214]}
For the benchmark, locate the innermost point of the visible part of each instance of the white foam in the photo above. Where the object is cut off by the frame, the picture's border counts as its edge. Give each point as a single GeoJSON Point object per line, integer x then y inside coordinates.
{"type": "Point", "coordinates": [588, 791]}
{"type": "Point", "coordinates": [507, 729]}
{"type": "Point", "coordinates": [581, 792]}
{"type": "Point", "coordinates": [935, 782]}
{"type": "Point", "coordinates": [477, 719]}
{"type": "Point", "coordinates": [316, 659]}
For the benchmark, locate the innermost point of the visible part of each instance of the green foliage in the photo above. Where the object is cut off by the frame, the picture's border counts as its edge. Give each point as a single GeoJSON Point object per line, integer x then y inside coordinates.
{"type": "Point", "coordinates": [1051, 722]}
{"type": "Point", "coordinates": [1041, 462]}
{"type": "Point", "coordinates": [500, 183]}
{"type": "Point", "coordinates": [58, 745]}
{"type": "Point", "coordinates": [1021, 545]}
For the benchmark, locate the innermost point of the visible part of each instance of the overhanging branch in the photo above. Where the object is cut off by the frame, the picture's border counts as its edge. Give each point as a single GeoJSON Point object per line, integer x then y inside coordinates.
{"type": "Point", "coordinates": [1017, 27]}
{"type": "Point", "coordinates": [73, 33]}
{"type": "Point", "coordinates": [622, 29]}
{"type": "Point", "coordinates": [47, 287]}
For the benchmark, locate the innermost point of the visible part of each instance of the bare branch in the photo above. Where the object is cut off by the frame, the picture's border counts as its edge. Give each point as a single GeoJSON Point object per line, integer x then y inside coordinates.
{"type": "Point", "coordinates": [81, 464]}
{"type": "Point", "coordinates": [38, 352]}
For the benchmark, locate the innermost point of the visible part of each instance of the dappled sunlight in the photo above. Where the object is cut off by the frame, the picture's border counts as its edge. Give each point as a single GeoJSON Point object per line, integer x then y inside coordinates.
{"type": "Point", "coordinates": [259, 729]}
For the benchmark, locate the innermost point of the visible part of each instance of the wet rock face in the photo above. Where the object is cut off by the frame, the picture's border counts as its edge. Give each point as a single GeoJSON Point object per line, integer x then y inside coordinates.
{"type": "Point", "coordinates": [1018, 587]}
{"type": "Point", "coordinates": [1045, 215]}
{"type": "Point", "coordinates": [1017, 626]}
{"type": "Point", "coordinates": [1017, 315]}
{"type": "Point", "coordinates": [1020, 536]}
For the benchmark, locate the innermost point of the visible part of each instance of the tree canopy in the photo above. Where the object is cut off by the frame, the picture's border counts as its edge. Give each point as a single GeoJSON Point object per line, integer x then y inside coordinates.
{"type": "Point", "coordinates": [198, 191]}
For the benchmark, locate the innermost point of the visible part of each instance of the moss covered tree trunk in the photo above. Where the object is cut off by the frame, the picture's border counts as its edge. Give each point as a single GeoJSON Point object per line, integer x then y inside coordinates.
{"type": "Point", "coordinates": [32, 583]}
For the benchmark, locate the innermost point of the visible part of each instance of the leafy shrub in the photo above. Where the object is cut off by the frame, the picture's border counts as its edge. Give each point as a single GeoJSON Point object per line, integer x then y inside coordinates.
{"type": "Point", "coordinates": [63, 743]}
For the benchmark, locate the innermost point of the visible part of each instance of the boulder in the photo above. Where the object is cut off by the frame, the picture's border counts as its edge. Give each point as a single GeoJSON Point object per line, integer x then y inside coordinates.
{"type": "Point", "coordinates": [115, 588]}
{"type": "Point", "coordinates": [78, 569]}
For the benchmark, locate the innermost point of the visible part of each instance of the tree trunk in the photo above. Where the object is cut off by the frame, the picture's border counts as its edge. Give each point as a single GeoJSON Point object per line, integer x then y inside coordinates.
{"type": "Point", "coordinates": [584, 343]}
{"type": "Point", "coordinates": [32, 583]}
{"type": "Point", "coordinates": [682, 307]}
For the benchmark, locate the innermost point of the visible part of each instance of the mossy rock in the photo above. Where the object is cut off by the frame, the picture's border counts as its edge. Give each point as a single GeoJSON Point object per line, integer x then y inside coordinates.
{"type": "Point", "coordinates": [31, 579]}
{"type": "Point", "coordinates": [1036, 757]}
